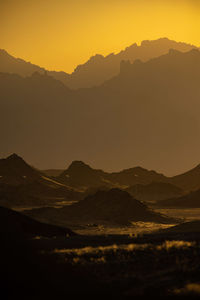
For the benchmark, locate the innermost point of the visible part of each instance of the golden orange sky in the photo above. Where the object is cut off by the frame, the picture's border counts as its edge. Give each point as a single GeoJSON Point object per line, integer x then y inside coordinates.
{"type": "Point", "coordinates": [60, 34]}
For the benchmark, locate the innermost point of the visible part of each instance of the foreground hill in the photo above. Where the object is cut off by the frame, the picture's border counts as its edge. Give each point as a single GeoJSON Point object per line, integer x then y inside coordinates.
{"type": "Point", "coordinates": [121, 123]}
{"type": "Point", "coordinates": [113, 207]}
{"type": "Point", "coordinates": [184, 228]}
{"type": "Point", "coordinates": [98, 68]}
{"type": "Point", "coordinates": [12, 222]}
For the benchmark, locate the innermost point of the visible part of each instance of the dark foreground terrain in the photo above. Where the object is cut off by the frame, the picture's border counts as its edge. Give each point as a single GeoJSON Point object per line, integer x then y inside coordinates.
{"type": "Point", "coordinates": [61, 265]}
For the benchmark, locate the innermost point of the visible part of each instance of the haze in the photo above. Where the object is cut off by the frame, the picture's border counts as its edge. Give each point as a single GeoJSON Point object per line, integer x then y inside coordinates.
{"type": "Point", "coordinates": [59, 35]}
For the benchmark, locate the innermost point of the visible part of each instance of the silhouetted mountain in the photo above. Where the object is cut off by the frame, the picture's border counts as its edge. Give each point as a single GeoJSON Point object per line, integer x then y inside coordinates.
{"type": "Point", "coordinates": [98, 68]}
{"type": "Point", "coordinates": [137, 175]}
{"type": "Point", "coordinates": [154, 191]}
{"type": "Point", "coordinates": [104, 207]}
{"type": "Point", "coordinates": [191, 200]}
{"type": "Point", "coordinates": [82, 175]}
{"type": "Point", "coordinates": [23, 186]}
{"type": "Point", "coordinates": [10, 64]}
{"type": "Point", "coordinates": [145, 116]}
{"type": "Point", "coordinates": [14, 171]}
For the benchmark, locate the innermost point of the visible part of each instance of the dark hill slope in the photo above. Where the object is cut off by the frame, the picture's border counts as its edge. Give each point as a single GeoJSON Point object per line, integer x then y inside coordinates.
{"type": "Point", "coordinates": [189, 180]}
{"type": "Point", "coordinates": [190, 200]}
{"type": "Point", "coordinates": [13, 222]}
{"type": "Point", "coordinates": [79, 174]}
{"type": "Point", "coordinates": [22, 185]}
{"type": "Point", "coordinates": [187, 227]}
{"type": "Point", "coordinates": [113, 207]}
{"type": "Point", "coordinates": [155, 191]}
{"type": "Point", "coordinates": [14, 171]}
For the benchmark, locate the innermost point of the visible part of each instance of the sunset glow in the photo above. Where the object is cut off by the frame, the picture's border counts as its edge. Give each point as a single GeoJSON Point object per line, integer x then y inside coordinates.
{"type": "Point", "coordinates": [61, 36]}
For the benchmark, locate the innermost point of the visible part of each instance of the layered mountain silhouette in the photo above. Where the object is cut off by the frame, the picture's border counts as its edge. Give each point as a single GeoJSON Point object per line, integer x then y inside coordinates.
{"type": "Point", "coordinates": [112, 207]}
{"type": "Point", "coordinates": [98, 68]}
{"type": "Point", "coordinates": [22, 185]}
{"type": "Point", "coordinates": [10, 64]}
{"type": "Point", "coordinates": [82, 175]}
{"type": "Point", "coordinates": [143, 184]}
{"type": "Point", "coordinates": [145, 116]}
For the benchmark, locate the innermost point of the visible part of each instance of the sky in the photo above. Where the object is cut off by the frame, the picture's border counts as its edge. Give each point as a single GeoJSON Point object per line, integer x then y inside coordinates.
{"type": "Point", "coordinates": [61, 34]}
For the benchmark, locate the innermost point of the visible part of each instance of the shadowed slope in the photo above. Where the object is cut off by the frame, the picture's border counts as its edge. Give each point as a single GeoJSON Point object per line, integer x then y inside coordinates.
{"type": "Point", "coordinates": [23, 186]}
{"type": "Point", "coordinates": [14, 171]}
{"type": "Point", "coordinates": [191, 200]}
{"type": "Point", "coordinates": [155, 191]}
{"type": "Point", "coordinates": [189, 180]}
{"type": "Point", "coordinates": [113, 207]}
{"type": "Point", "coordinates": [12, 222]}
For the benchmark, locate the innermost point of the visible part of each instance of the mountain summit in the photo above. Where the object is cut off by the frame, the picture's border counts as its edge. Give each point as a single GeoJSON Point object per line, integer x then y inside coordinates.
{"type": "Point", "coordinates": [98, 68]}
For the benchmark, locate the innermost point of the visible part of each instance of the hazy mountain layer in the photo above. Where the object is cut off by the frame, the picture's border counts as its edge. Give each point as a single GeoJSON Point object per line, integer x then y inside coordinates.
{"type": "Point", "coordinates": [98, 68]}
{"type": "Point", "coordinates": [147, 116]}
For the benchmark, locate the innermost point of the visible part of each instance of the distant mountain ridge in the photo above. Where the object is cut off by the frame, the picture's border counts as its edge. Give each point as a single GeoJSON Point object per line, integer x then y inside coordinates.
{"type": "Point", "coordinates": [79, 174]}
{"type": "Point", "coordinates": [98, 68]}
{"type": "Point", "coordinates": [10, 64]}
{"type": "Point", "coordinates": [146, 184]}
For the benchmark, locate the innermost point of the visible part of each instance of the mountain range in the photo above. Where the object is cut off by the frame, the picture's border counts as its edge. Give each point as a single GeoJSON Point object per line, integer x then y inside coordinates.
{"type": "Point", "coordinates": [23, 186]}
{"type": "Point", "coordinates": [98, 68]}
{"type": "Point", "coordinates": [144, 116]}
